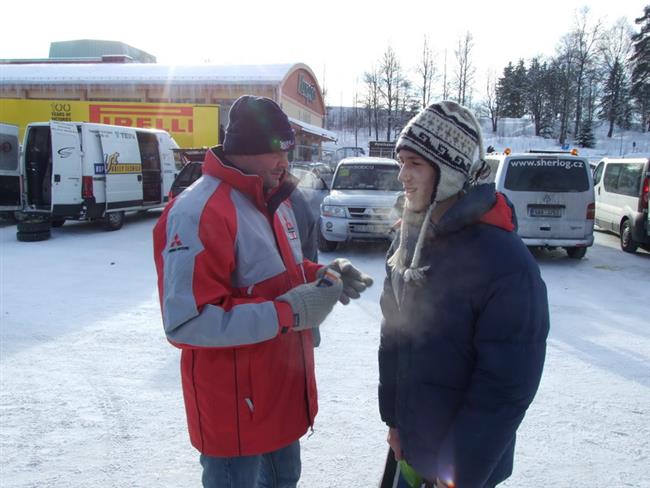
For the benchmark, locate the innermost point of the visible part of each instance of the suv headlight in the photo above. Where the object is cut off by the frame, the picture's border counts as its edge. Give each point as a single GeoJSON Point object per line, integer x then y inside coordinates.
{"type": "Point", "coordinates": [333, 211]}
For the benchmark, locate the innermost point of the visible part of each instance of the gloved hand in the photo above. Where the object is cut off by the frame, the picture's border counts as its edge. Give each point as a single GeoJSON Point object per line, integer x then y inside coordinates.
{"type": "Point", "coordinates": [312, 302]}
{"type": "Point", "coordinates": [355, 281]}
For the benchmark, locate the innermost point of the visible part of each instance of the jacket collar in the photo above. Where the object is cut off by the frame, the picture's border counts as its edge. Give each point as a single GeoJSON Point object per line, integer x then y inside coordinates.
{"type": "Point", "coordinates": [217, 164]}
{"type": "Point", "coordinates": [481, 204]}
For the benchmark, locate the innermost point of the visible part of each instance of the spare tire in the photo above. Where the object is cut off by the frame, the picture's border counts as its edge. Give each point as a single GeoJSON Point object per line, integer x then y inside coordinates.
{"type": "Point", "coordinates": [29, 226]}
{"type": "Point", "coordinates": [33, 236]}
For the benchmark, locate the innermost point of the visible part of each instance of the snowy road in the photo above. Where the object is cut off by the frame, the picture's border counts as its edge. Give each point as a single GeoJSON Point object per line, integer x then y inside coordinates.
{"type": "Point", "coordinates": [90, 395]}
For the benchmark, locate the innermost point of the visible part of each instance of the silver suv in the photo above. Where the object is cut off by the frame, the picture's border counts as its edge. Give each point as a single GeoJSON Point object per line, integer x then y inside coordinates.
{"type": "Point", "coordinates": [361, 201]}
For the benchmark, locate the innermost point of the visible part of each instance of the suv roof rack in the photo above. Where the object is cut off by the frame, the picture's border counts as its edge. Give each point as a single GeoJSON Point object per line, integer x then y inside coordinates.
{"type": "Point", "coordinates": [545, 151]}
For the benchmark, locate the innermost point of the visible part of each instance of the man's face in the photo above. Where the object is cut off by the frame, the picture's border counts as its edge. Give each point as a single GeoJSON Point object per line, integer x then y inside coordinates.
{"type": "Point", "coordinates": [269, 166]}
{"type": "Point", "coordinates": [418, 178]}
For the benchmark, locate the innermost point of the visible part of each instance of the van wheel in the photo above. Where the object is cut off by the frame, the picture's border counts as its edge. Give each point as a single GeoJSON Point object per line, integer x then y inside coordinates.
{"type": "Point", "coordinates": [324, 245]}
{"type": "Point", "coordinates": [31, 226]}
{"type": "Point", "coordinates": [33, 236]}
{"type": "Point", "coordinates": [113, 220]}
{"type": "Point", "coordinates": [576, 252]}
{"type": "Point", "coordinates": [58, 222]}
{"type": "Point", "coordinates": [627, 243]}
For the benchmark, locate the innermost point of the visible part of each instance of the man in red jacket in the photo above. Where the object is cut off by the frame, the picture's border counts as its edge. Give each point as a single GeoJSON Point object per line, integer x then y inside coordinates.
{"type": "Point", "coordinates": [239, 299]}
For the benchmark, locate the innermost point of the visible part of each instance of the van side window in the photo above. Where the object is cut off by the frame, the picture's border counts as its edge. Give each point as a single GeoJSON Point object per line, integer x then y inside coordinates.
{"type": "Point", "coordinates": [610, 180]}
{"type": "Point", "coordinates": [629, 181]}
{"type": "Point", "coordinates": [598, 174]}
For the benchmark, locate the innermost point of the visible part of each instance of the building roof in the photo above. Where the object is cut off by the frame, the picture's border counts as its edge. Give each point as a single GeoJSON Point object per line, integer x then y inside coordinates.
{"type": "Point", "coordinates": [120, 73]}
{"type": "Point", "coordinates": [95, 48]}
{"type": "Point", "coordinates": [314, 129]}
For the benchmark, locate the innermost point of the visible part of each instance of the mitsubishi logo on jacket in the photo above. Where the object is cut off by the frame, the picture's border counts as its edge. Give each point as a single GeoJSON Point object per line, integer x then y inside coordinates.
{"type": "Point", "coordinates": [177, 245]}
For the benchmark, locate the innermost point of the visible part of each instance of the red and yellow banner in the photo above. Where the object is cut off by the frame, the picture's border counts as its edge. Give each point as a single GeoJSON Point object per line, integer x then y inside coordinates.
{"type": "Point", "coordinates": [190, 125]}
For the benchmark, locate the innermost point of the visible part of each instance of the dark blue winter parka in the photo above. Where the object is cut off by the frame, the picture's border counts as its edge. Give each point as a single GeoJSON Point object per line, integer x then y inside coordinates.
{"type": "Point", "coordinates": [462, 351]}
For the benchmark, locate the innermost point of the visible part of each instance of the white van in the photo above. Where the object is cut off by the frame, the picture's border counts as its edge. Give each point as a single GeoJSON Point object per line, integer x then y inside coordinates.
{"type": "Point", "coordinates": [553, 196]}
{"type": "Point", "coordinates": [86, 171]}
{"type": "Point", "coordinates": [622, 187]}
{"type": "Point", "coordinates": [9, 170]}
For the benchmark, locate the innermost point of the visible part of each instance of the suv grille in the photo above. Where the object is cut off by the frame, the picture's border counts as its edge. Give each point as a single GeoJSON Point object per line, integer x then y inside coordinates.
{"type": "Point", "coordinates": [369, 212]}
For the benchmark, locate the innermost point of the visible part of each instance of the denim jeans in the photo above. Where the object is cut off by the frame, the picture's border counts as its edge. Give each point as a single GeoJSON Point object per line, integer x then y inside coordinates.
{"type": "Point", "coordinates": [277, 469]}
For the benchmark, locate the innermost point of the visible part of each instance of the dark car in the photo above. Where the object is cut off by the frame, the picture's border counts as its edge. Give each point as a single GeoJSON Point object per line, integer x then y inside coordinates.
{"type": "Point", "coordinates": [313, 185]}
{"type": "Point", "coordinates": [188, 175]}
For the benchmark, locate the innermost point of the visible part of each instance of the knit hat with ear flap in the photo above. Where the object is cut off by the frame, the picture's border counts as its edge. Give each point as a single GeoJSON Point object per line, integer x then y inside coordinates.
{"type": "Point", "coordinates": [448, 136]}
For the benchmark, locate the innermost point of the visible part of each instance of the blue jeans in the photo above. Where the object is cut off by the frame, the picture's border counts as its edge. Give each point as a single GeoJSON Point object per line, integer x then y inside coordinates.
{"type": "Point", "coordinates": [277, 469]}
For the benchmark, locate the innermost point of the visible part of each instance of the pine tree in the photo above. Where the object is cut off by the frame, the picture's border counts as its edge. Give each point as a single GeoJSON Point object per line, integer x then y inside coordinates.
{"type": "Point", "coordinates": [586, 137]}
{"type": "Point", "coordinates": [641, 68]}
{"type": "Point", "coordinates": [615, 101]}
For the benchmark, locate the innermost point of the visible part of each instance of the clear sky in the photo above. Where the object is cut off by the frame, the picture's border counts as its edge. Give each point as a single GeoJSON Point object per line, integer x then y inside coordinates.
{"type": "Point", "coordinates": [338, 39]}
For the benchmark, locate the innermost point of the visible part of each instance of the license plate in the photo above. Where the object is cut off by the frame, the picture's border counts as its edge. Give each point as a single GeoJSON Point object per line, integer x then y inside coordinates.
{"type": "Point", "coordinates": [371, 229]}
{"type": "Point", "coordinates": [545, 211]}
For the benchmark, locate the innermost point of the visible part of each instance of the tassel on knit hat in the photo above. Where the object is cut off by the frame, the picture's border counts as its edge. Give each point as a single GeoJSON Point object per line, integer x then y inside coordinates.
{"type": "Point", "coordinates": [448, 136]}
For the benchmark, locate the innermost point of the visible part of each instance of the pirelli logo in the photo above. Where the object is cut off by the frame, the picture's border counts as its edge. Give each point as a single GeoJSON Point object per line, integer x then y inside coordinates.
{"type": "Point", "coordinates": [170, 118]}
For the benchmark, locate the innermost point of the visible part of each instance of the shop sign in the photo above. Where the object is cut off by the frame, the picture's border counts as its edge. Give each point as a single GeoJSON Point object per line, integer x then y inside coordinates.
{"type": "Point", "coordinates": [306, 89]}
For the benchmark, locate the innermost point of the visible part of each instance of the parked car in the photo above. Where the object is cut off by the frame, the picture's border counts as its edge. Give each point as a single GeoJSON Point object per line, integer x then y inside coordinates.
{"type": "Point", "coordinates": [188, 175]}
{"type": "Point", "coordinates": [320, 169]}
{"type": "Point", "coordinates": [313, 186]}
{"type": "Point", "coordinates": [553, 196]}
{"type": "Point", "coordinates": [622, 187]}
{"type": "Point", "coordinates": [361, 201]}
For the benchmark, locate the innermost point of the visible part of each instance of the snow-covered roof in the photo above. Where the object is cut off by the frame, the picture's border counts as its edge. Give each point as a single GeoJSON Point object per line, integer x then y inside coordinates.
{"type": "Point", "coordinates": [120, 73]}
{"type": "Point", "coordinates": [314, 129]}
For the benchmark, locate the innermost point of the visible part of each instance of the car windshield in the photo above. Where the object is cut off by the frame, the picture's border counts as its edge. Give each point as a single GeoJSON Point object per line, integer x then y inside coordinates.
{"type": "Point", "coordinates": [547, 174]}
{"type": "Point", "coordinates": [367, 177]}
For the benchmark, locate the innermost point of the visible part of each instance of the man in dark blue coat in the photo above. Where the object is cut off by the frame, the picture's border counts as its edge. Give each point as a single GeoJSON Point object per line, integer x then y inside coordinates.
{"type": "Point", "coordinates": [465, 312]}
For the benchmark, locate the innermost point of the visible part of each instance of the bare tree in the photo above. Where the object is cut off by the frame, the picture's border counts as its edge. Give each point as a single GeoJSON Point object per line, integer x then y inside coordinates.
{"type": "Point", "coordinates": [491, 102]}
{"type": "Point", "coordinates": [584, 39]}
{"type": "Point", "coordinates": [445, 83]}
{"type": "Point", "coordinates": [371, 79]}
{"type": "Point", "coordinates": [464, 75]}
{"type": "Point", "coordinates": [427, 71]}
{"type": "Point", "coordinates": [390, 76]}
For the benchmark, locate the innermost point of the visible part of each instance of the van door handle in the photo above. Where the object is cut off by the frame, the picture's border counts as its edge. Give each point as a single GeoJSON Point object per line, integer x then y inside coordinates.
{"type": "Point", "coordinates": [57, 178]}
{"type": "Point", "coordinates": [139, 177]}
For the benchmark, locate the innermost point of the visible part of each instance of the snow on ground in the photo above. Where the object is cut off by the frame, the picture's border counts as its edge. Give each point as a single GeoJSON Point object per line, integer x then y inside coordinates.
{"type": "Point", "coordinates": [90, 389]}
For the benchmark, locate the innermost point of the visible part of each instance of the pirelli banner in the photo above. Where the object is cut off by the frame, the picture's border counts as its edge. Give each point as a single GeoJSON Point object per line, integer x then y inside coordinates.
{"type": "Point", "coordinates": [190, 125]}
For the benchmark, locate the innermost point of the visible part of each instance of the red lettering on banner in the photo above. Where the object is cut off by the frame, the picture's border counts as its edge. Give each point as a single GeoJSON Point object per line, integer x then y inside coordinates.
{"type": "Point", "coordinates": [123, 121]}
{"type": "Point", "coordinates": [176, 126]}
{"type": "Point", "coordinates": [142, 122]}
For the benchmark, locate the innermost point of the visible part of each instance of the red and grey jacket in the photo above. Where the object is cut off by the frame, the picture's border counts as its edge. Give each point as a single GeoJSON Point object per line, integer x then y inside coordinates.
{"type": "Point", "coordinates": [224, 252]}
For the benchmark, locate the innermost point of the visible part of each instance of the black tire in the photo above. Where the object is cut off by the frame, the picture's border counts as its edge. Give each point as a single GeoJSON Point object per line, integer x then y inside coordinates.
{"type": "Point", "coordinates": [29, 227]}
{"type": "Point", "coordinates": [627, 243]}
{"type": "Point", "coordinates": [58, 222]}
{"type": "Point", "coordinates": [576, 252]}
{"type": "Point", "coordinates": [33, 236]}
{"type": "Point", "coordinates": [324, 245]}
{"type": "Point", "coordinates": [113, 220]}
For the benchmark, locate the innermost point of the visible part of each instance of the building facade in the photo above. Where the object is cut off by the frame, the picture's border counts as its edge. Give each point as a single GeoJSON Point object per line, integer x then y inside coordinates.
{"type": "Point", "coordinates": [293, 86]}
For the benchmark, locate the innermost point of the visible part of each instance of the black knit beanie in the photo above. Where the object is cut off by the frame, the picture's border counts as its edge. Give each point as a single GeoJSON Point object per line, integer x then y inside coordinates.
{"type": "Point", "coordinates": [257, 126]}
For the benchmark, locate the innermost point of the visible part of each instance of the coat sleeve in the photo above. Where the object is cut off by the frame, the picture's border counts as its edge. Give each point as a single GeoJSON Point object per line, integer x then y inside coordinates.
{"type": "Point", "coordinates": [510, 344]}
{"type": "Point", "coordinates": [388, 351]}
{"type": "Point", "coordinates": [194, 263]}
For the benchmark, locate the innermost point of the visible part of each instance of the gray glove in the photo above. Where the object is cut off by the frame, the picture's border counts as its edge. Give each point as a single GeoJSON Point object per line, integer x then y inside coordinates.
{"type": "Point", "coordinates": [312, 302]}
{"type": "Point", "coordinates": [355, 281]}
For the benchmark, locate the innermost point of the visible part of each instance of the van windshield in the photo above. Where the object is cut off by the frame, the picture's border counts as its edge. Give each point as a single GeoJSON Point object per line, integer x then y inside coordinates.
{"type": "Point", "coordinates": [547, 174]}
{"type": "Point", "coordinates": [367, 177]}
